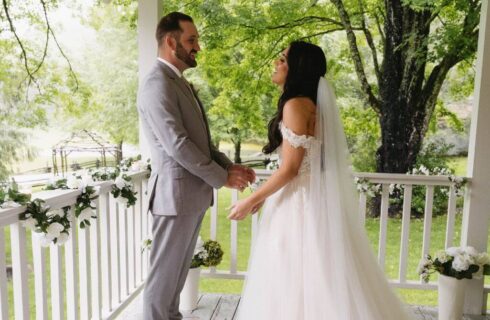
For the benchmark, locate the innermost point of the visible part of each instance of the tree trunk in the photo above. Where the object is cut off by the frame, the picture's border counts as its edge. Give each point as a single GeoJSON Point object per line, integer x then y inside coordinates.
{"type": "Point", "coordinates": [238, 146]}
{"type": "Point", "coordinates": [402, 77]}
{"type": "Point", "coordinates": [119, 154]}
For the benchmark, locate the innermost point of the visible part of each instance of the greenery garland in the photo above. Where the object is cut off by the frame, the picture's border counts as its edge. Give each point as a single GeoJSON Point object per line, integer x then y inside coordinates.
{"type": "Point", "coordinates": [54, 225]}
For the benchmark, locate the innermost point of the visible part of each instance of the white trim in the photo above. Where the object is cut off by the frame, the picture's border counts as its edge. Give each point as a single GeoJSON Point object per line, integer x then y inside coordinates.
{"type": "Point", "coordinates": [477, 202]}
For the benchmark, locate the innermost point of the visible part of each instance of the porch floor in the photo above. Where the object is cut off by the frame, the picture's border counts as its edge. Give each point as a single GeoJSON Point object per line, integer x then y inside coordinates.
{"type": "Point", "coordinates": [216, 306]}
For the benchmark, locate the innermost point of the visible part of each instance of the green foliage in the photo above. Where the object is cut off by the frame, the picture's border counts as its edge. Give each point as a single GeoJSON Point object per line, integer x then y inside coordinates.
{"type": "Point", "coordinates": [432, 157]}
{"type": "Point", "coordinates": [209, 255]}
{"type": "Point", "coordinates": [106, 101]}
{"type": "Point", "coordinates": [362, 131]}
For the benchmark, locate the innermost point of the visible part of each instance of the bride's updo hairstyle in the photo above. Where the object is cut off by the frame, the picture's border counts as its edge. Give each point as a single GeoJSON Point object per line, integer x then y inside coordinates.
{"type": "Point", "coordinates": [306, 64]}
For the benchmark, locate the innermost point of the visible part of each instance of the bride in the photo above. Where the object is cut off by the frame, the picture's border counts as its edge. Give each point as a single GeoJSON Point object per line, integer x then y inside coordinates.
{"type": "Point", "coordinates": [311, 259]}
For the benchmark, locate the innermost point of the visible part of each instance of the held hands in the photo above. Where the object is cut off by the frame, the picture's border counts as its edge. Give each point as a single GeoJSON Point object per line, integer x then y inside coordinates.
{"type": "Point", "coordinates": [239, 177]}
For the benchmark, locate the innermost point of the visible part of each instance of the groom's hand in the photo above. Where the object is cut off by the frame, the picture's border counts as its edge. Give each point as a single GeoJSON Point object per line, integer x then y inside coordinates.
{"type": "Point", "coordinates": [239, 177]}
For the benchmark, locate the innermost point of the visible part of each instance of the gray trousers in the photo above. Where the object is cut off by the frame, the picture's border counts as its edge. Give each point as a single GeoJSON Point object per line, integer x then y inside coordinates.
{"type": "Point", "coordinates": [174, 240]}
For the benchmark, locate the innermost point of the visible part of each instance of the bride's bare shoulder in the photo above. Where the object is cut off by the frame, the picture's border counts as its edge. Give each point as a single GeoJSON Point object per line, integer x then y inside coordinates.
{"type": "Point", "coordinates": [297, 114]}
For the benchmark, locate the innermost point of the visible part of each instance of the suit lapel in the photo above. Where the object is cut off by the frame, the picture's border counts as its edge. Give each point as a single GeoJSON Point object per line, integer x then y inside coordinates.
{"type": "Point", "coordinates": [190, 96]}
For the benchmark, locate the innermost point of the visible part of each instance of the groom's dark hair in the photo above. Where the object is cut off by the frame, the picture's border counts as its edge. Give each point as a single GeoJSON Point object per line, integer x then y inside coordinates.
{"type": "Point", "coordinates": [306, 64]}
{"type": "Point", "coordinates": [170, 23]}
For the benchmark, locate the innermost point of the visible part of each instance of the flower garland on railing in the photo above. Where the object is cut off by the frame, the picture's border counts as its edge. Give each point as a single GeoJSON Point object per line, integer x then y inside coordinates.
{"type": "Point", "coordinates": [10, 197]}
{"type": "Point", "coordinates": [54, 225]}
{"type": "Point", "coordinates": [374, 189]}
{"type": "Point", "coordinates": [50, 226]}
{"type": "Point", "coordinates": [85, 205]}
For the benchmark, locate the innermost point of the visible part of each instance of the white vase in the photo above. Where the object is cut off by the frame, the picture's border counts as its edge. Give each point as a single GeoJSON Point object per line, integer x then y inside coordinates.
{"type": "Point", "coordinates": [190, 293]}
{"type": "Point", "coordinates": [451, 293]}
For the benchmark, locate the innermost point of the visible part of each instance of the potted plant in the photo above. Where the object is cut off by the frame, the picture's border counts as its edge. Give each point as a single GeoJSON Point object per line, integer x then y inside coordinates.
{"type": "Point", "coordinates": [208, 254]}
{"type": "Point", "coordinates": [455, 266]}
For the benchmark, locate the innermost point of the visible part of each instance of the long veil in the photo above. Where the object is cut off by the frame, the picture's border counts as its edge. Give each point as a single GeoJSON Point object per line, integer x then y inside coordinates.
{"type": "Point", "coordinates": [341, 275]}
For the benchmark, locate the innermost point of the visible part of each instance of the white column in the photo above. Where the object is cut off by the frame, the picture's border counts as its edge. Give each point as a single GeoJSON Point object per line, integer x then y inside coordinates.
{"type": "Point", "coordinates": [477, 201]}
{"type": "Point", "coordinates": [149, 13]}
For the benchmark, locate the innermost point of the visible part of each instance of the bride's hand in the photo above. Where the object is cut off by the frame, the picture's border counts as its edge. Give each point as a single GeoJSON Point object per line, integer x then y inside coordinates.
{"type": "Point", "coordinates": [257, 207]}
{"type": "Point", "coordinates": [241, 209]}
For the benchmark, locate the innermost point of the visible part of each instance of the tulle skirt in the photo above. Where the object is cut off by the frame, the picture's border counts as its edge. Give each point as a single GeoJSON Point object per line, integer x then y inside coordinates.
{"type": "Point", "coordinates": [285, 282]}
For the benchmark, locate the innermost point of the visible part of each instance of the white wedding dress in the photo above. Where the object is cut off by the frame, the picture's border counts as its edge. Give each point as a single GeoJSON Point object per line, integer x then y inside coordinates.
{"type": "Point", "coordinates": [311, 259]}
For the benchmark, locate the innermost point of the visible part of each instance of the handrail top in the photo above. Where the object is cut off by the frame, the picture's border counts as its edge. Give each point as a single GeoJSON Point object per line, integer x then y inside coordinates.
{"type": "Point", "coordinates": [396, 178]}
{"type": "Point", "coordinates": [58, 198]}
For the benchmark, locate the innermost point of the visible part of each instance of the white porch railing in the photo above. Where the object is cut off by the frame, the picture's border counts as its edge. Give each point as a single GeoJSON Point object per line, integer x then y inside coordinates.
{"type": "Point", "coordinates": [93, 276]}
{"type": "Point", "coordinates": [100, 269]}
{"type": "Point", "coordinates": [409, 182]}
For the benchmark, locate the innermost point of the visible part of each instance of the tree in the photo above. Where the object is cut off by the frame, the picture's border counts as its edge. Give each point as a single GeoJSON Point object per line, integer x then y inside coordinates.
{"type": "Point", "coordinates": [29, 78]}
{"type": "Point", "coordinates": [420, 40]}
{"type": "Point", "coordinates": [106, 99]}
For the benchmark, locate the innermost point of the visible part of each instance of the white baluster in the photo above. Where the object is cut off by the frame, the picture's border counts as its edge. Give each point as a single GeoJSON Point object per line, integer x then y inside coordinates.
{"type": "Point", "coordinates": [71, 272]}
{"type": "Point", "coordinates": [19, 271]}
{"type": "Point", "coordinates": [429, 200]}
{"type": "Point", "coordinates": [407, 207]}
{"type": "Point", "coordinates": [383, 226]}
{"type": "Point", "coordinates": [234, 236]}
{"type": "Point", "coordinates": [4, 306]}
{"type": "Point", "coordinates": [57, 292]}
{"type": "Point", "coordinates": [451, 213]}
{"type": "Point", "coordinates": [106, 252]}
{"type": "Point", "coordinates": [95, 266]}
{"type": "Point", "coordinates": [84, 270]}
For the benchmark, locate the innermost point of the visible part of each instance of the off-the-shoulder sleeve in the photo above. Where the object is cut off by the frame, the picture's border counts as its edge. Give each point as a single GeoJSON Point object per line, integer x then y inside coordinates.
{"type": "Point", "coordinates": [295, 140]}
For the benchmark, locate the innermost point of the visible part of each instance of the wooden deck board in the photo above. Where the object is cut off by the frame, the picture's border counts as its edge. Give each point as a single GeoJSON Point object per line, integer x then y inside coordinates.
{"type": "Point", "coordinates": [215, 306]}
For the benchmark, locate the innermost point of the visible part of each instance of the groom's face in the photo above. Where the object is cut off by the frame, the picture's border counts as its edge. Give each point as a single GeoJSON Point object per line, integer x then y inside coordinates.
{"type": "Point", "coordinates": [187, 45]}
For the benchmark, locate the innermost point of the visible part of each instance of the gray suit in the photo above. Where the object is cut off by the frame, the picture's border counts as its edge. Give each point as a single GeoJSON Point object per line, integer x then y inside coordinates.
{"type": "Point", "coordinates": [185, 169]}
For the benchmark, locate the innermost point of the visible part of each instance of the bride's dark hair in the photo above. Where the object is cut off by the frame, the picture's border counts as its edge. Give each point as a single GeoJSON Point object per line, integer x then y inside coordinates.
{"type": "Point", "coordinates": [306, 64]}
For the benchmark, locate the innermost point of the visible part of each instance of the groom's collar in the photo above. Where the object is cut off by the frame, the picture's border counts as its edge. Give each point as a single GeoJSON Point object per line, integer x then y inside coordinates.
{"type": "Point", "coordinates": [171, 66]}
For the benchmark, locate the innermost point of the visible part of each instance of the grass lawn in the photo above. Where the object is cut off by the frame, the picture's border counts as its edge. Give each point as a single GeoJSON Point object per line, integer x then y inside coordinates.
{"type": "Point", "coordinates": [416, 297]}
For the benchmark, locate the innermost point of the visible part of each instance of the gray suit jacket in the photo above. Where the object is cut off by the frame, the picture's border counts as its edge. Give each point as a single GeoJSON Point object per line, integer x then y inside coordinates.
{"type": "Point", "coordinates": [185, 165]}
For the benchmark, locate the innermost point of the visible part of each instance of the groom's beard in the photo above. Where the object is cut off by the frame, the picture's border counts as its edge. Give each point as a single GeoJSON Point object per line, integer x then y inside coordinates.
{"type": "Point", "coordinates": [185, 56]}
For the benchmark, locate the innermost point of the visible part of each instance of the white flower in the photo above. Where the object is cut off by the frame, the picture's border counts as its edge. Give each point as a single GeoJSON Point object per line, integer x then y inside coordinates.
{"type": "Point", "coordinates": [454, 251]}
{"type": "Point", "coordinates": [30, 223]}
{"type": "Point", "coordinates": [10, 204]}
{"type": "Point", "coordinates": [62, 238]}
{"type": "Point", "coordinates": [442, 256]}
{"type": "Point", "coordinates": [87, 180]}
{"type": "Point", "coordinates": [199, 246]}
{"type": "Point", "coordinates": [120, 182]}
{"type": "Point", "coordinates": [122, 200]}
{"type": "Point", "coordinates": [483, 259]}
{"type": "Point", "coordinates": [55, 229]}
{"type": "Point", "coordinates": [86, 214]}
{"type": "Point", "coordinates": [423, 265]}
{"type": "Point", "coordinates": [460, 263]}
{"type": "Point", "coordinates": [74, 183]}
{"type": "Point", "coordinates": [45, 239]}
{"type": "Point", "coordinates": [470, 251]}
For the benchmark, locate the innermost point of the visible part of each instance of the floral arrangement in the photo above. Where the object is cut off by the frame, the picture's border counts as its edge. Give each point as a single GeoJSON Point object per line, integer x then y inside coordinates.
{"type": "Point", "coordinates": [54, 225]}
{"type": "Point", "coordinates": [459, 183]}
{"type": "Point", "coordinates": [10, 197]}
{"type": "Point", "coordinates": [365, 186]}
{"type": "Point", "coordinates": [207, 254]}
{"type": "Point", "coordinates": [51, 226]}
{"type": "Point", "coordinates": [272, 165]}
{"type": "Point", "coordinates": [456, 262]}
{"type": "Point", "coordinates": [373, 189]}
{"type": "Point", "coordinates": [85, 205]}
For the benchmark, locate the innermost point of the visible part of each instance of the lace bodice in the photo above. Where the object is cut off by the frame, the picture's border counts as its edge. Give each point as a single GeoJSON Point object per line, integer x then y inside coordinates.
{"type": "Point", "coordinates": [298, 141]}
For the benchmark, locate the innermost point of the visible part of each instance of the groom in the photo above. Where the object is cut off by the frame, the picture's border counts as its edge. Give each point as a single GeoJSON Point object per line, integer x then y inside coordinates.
{"type": "Point", "coordinates": [185, 165]}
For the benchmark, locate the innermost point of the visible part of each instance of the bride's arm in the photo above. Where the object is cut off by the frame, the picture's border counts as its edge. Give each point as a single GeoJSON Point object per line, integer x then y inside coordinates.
{"type": "Point", "coordinates": [295, 117]}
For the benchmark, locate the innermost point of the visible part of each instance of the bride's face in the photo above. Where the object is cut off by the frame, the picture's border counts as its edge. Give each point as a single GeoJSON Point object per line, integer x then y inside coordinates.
{"type": "Point", "coordinates": [281, 69]}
